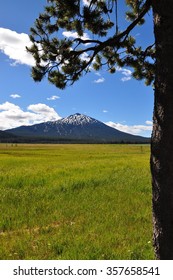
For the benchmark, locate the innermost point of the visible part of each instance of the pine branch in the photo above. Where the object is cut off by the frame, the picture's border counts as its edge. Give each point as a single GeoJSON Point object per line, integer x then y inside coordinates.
{"type": "Point", "coordinates": [67, 64]}
{"type": "Point", "coordinates": [116, 39]}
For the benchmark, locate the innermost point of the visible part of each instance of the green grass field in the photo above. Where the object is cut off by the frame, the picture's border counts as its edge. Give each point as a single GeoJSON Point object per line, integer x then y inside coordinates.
{"type": "Point", "coordinates": [75, 202]}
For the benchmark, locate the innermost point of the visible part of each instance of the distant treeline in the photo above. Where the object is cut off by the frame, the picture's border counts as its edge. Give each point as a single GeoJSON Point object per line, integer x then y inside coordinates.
{"type": "Point", "coordinates": [42, 140]}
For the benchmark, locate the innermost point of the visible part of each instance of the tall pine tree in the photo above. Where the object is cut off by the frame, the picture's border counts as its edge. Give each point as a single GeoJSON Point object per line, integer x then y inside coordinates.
{"type": "Point", "coordinates": [64, 61]}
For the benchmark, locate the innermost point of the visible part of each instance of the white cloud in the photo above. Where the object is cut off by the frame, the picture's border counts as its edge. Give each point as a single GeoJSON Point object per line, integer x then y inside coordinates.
{"type": "Point", "coordinates": [53, 97]}
{"type": "Point", "coordinates": [12, 115]}
{"type": "Point", "coordinates": [100, 80]}
{"type": "Point", "coordinates": [97, 74]}
{"type": "Point", "coordinates": [70, 34]}
{"type": "Point", "coordinates": [7, 106]}
{"type": "Point", "coordinates": [84, 56]}
{"type": "Point", "coordinates": [149, 122]}
{"type": "Point", "coordinates": [127, 74]}
{"type": "Point", "coordinates": [14, 44]}
{"type": "Point", "coordinates": [86, 2]}
{"type": "Point", "coordinates": [143, 130]}
{"type": "Point", "coordinates": [15, 96]}
{"type": "Point", "coordinates": [43, 110]}
{"type": "Point", "coordinates": [125, 79]}
{"type": "Point", "coordinates": [105, 111]}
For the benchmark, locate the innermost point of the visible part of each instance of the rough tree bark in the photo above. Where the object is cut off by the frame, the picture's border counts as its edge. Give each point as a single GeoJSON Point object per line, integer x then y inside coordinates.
{"type": "Point", "coordinates": [162, 136]}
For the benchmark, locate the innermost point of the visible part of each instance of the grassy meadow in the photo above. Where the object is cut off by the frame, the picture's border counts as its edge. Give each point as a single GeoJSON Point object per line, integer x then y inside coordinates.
{"type": "Point", "coordinates": [75, 202]}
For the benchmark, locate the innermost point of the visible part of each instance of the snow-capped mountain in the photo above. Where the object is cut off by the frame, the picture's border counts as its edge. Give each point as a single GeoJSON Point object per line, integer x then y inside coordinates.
{"type": "Point", "coordinates": [78, 119]}
{"type": "Point", "coordinates": [76, 127]}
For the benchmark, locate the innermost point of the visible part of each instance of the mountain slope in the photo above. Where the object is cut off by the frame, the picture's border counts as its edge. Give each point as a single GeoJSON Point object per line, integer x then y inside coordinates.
{"type": "Point", "coordinates": [76, 127]}
{"type": "Point", "coordinates": [6, 136]}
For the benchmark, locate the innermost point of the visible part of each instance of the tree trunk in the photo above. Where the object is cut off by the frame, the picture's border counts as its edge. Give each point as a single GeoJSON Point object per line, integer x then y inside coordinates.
{"type": "Point", "coordinates": [162, 136]}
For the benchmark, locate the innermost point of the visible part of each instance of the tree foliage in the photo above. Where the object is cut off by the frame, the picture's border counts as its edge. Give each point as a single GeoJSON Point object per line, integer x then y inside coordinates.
{"type": "Point", "coordinates": [97, 40]}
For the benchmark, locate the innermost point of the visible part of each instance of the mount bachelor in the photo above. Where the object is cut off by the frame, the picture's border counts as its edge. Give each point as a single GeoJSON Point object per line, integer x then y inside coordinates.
{"type": "Point", "coordinates": [74, 128]}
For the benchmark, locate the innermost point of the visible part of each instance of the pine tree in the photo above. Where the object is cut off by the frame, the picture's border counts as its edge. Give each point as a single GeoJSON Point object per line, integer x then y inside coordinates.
{"type": "Point", "coordinates": [64, 61]}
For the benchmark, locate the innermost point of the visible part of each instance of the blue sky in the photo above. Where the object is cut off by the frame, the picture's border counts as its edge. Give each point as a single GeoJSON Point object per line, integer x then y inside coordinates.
{"type": "Point", "coordinates": [117, 99]}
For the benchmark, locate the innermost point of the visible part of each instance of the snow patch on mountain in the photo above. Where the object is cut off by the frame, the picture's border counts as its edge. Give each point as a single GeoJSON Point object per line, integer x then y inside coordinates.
{"type": "Point", "coordinates": [77, 119]}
